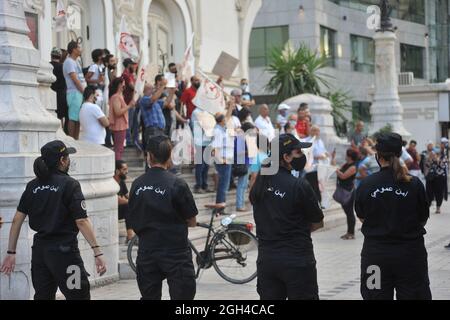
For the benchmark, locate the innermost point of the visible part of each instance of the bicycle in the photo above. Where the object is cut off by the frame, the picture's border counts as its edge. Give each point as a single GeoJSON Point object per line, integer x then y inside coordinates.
{"type": "Point", "coordinates": [232, 247]}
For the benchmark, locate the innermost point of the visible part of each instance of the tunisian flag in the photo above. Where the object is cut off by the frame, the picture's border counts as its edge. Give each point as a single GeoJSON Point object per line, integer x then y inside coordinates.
{"type": "Point", "coordinates": [126, 43]}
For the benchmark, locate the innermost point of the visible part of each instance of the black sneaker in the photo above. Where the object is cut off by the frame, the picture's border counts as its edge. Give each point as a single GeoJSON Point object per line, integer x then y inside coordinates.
{"type": "Point", "coordinates": [447, 246]}
{"type": "Point", "coordinates": [199, 191]}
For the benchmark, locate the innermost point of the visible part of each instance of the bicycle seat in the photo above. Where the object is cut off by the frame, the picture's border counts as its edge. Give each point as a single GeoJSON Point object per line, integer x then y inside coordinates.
{"type": "Point", "coordinates": [216, 206]}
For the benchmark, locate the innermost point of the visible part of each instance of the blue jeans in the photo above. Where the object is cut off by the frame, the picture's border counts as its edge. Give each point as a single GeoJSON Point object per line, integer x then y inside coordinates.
{"type": "Point", "coordinates": [242, 185]}
{"type": "Point", "coordinates": [224, 171]}
{"type": "Point", "coordinates": [201, 172]}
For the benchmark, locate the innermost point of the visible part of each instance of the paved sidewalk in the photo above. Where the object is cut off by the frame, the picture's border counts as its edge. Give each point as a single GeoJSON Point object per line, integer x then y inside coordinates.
{"type": "Point", "coordinates": [337, 265]}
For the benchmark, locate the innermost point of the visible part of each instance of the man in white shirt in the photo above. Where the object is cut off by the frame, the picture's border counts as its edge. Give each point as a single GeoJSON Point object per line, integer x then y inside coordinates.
{"type": "Point", "coordinates": [92, 119]}
{"type": "Point", "coordinates": [264, 124]}
{"type": "Point", "coordinates": [282, 116]}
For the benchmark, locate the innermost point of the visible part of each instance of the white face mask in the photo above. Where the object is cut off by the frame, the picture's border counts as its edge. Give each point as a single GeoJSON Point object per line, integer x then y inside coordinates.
{"type": "Point", "coordinates": [245, 88]}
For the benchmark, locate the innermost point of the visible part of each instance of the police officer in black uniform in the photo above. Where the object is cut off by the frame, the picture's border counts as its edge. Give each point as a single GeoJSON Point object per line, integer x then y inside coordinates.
{"type": "Point", "coordinates": [161, 210]}
{"type": "Point", "coordinates": [286, 211]}
{"type": "Point", "coordinates": [56, 210]}
{"type": "Point", "coordinates": [393, 207]}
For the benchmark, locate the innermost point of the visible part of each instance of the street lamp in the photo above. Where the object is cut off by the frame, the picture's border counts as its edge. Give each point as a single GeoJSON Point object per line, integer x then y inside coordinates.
{"type": "Point", "coordinates": [386, 24]}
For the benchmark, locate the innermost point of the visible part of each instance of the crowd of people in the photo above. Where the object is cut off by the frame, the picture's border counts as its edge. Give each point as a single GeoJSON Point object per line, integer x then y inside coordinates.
{"type": "Point", "coordinates": [380, 181]}
{"type": "Point", "coordinates": [105, 105]}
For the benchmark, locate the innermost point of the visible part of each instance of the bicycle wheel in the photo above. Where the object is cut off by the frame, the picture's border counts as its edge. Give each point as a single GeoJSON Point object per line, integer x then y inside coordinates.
{"type": "Point", "coordinates": [234, 253]}
{"type": "Point", "coordinates": [132, 250]}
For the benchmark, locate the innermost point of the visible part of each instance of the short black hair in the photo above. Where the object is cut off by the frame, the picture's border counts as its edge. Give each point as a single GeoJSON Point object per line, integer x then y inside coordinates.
{"type": "Point", "coordinates": [88, 91]}
{"type": "Point", "coordinates": [352, 154]}
{"type": "Point", "coordinates": [106, 51]}
{"type": "Point", "coordinates": [160, 148]}
{"type": "Point", "coordinates": [72, 46]}
{"type": "Point", "coordinates": [172, 65]}
{"type": "Point", "coordinates": [119, 164]}
{"type": "Point", "coordinates": [413, 141]}
{"type": "Point", "coordinates": [158, 78]}
{"type": "Point", "coordinates": [97, 54]}
{"type": "Point", "coordinates": [404, 143]}
{"type": "Point", "coordinates": [303, 107]}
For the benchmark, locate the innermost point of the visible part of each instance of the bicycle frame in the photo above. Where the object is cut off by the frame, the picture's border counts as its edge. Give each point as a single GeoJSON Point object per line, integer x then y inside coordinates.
{"type": "Point", "coordinates": [211, 234]}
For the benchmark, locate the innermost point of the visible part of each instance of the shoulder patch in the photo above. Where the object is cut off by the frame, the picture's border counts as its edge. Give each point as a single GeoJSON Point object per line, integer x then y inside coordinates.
{"type": "Point", "coordinates": [83, 205]}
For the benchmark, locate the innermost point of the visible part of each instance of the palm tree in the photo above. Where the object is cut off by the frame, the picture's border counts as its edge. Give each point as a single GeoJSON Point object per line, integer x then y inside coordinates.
{"type": "Point", "coordinates": [295, 71]}
{"type": "Point", "coordinates": [340, 103]}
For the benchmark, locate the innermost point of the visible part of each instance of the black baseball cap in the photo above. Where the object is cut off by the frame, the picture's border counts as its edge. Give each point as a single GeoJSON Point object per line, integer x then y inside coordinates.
{"type": "Point", "coordinates": [288, 143]}
{"type": "Point", "coordinates": [54, 150]}
{"type": "Point", "coordinates": [390, 142]}
{"type": "Point", "coordinates": [128, 61]}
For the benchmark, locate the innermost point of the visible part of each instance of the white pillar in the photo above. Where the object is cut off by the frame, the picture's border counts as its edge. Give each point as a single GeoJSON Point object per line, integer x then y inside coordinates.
{"type": "Point", "coordinates": [25, 126]}
{"type": "Point", "coordinates": [386, 107]}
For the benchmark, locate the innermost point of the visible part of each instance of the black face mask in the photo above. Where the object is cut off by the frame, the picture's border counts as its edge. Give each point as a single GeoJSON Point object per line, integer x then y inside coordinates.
{"type": "Point", "coordinates": [123, 176]}
{"type": "Point", "coordinates": [196, 85]}
{"type": "Point", "coordinates": [298, 164]}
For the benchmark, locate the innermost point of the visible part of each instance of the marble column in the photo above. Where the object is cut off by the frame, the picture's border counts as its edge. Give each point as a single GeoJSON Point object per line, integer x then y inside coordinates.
{"type": "Point", "coordinates": [27, 122]}
{"type": "Point", "coordinates": [386, 107]}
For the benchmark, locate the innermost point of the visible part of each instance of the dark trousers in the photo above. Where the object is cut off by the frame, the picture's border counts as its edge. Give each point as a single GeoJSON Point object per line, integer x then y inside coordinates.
{"type": "Point", "coordinates": [313, 180]}
{"type": "Point", "coordinates": [201, 170]}
{"type": "Point", "coordinates": [287, 277]}
{"type": "Point", "coordinates": [349, 212]}
{"type": "Point", "coordinates": [436, 189]}
{"type": "Point", "coordinates": [58, 266]}
{"type": "Point", "coordinates": [405, 273]}
{"type": "Point", "coordinates": [154, 266]}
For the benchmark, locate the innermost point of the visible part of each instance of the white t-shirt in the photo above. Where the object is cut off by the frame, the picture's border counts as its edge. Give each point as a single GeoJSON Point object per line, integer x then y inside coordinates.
{"type": "Point", "coordinates": [405, 155]}
{"type": "Point", "coordinates": [92, 130]}
{"type": "Point", "coordinates": [265, 127]}
{"type": "Point", "coordinates": [96, 70]}
{"type": "Point", "coordinates": [223, 143]}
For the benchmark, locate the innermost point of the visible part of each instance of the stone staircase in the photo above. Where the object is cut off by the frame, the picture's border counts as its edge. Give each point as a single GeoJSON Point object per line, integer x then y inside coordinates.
{"type": "Point", "coordinates": [333, 215]}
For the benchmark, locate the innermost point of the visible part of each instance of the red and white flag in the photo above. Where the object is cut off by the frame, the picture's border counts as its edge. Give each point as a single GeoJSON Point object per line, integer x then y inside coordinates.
{"type": "Point", "coordinates": [60, 21]}
{"type": "Point", "coordinates": [188, 64]}
{"type": "Point", "coordinates": [140, 80]}
{"type": "Point", "coordinates": [126, 43]}
{"type": "Point", "coordinates": [209, 97]}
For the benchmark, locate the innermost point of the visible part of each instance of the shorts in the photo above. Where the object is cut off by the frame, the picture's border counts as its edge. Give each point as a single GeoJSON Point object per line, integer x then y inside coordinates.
{"type": "Point", "coordinates": [74, 102]}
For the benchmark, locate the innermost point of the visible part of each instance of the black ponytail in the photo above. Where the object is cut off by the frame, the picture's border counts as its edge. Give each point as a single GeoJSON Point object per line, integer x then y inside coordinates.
{"type": "Point", "coordinates": [41, 170]}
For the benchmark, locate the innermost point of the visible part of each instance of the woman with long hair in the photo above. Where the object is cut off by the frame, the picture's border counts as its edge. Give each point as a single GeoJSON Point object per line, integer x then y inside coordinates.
{"type": "Point", "coordinates": [56, 210]}
{"type": "Point", "coordinates": [118, 115]}
{"type": "Point", "coordinates": [346, 180]}
{"type": "Point", "coordinates": [393, 208]}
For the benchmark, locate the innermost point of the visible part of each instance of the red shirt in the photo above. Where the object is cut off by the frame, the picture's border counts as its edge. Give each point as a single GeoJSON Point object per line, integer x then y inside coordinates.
{"type": "Point", "coordinates": [128, 93]}
{"type": "Point", "coordinates": [186, 98]}
{"type": "Point", "coordinates": [302, 128]}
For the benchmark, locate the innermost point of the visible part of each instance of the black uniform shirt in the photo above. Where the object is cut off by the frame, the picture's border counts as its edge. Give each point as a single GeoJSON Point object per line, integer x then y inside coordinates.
{"type": "Point", "coordinates": [160, 204]}
{"type": "Point", "coordinates": [53, 206]}
{"type": "Point", "coordinates": [283, 218]}
{"type": "Point", "coordinates": [393, 213]}
{"type": "Point", "coordinates": [123, 192]}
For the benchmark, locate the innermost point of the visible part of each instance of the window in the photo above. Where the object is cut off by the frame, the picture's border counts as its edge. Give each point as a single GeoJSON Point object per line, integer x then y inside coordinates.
{"type": "Point", "coordinates": [361, 111]}
{"type": "Point", "coordinates": [363, 54]}
{"type": "Point", "coordinates": [328, 45]}
{"type": "Point", "coordinates": [33, 25]}
{"type": "Point", "coordinates": [408, 10]}
{"type": "Point", "coordinates": [412, 60]}
{"type": "Point", "coordinates": [262, 40]}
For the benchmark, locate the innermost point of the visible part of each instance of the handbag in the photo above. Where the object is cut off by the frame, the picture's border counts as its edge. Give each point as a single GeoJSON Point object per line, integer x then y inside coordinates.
{"type": "Point", "coordinates": [239, 170]}
{"type": "Point", "coordinates": [342, 196]}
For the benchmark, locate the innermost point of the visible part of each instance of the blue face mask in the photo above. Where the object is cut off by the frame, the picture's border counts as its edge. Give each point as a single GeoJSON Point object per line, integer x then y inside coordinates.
{"type": "Point", "coordinates": [293, 123]}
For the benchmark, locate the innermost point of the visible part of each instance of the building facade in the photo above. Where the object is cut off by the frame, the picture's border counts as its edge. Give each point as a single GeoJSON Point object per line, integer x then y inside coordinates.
{"type": "Point", "coordinates": [338, 29]}
{"type": "Point", "coordinates": [161, 28]}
